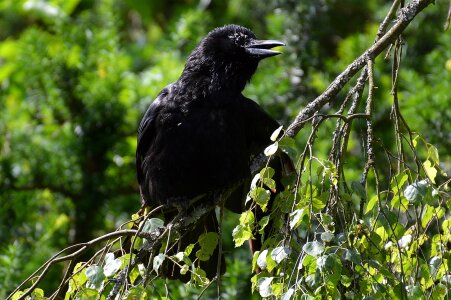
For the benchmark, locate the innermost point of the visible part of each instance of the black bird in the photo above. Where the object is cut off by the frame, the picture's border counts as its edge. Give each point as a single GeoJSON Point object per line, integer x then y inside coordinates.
{"type": "Point", "coordinates": [200, 134]}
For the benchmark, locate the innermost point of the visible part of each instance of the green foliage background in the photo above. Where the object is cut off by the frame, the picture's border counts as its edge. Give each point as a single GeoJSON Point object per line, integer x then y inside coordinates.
{"type": "Point", "coordinates": [76, 76]}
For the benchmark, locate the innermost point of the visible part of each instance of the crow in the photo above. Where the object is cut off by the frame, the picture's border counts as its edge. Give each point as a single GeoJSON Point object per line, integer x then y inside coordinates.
{"type": "Point", "coordinates": [199, 136]}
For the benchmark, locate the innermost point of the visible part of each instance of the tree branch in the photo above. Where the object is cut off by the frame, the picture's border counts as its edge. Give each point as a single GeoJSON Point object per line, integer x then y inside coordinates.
{"type": "Point", "coordinates": [406, 15]}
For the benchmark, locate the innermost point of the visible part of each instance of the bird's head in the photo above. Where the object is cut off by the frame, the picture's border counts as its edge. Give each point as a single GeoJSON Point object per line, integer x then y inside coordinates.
{"type": "Point", "coordinates": [229, 55]}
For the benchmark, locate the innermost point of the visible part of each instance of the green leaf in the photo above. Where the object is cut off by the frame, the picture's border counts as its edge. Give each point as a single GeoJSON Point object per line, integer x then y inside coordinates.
{"type": "Point", "coordinates": [247, 218]}
{"type": "Point", "coordinates": [397, 182]}
{"type": "Point", "coordinates": [260, 196]}
{"type": "Point", "coordinates": [78, 279]}
{"type": "Point", "coordinates": [241, 234]}
{"type": "Point", "coordinates": [254, 260]}
{"type": "Point", "coordinates": [158, 261]}
{"type": "Point", "coordinates": [327, 236]}
{"type": "Point", "coordinates": [309, 262]}
{"type": "Point", "coordinates": [353, 256]}
{"type": "Point", "coordinates": [184, 269]}
{"type": "Point", "coordinates": [208, 242]}
{"type": "Point", "coordinates": [295, 218]}
{"type": "Point", "coordinates": [314, 248]}
{"type": "Point", "coordinates": [431, 172]}
{"type": "Point", "coordinates": [333, 263]}
{"type": "Point", "coordinates": [270, 183]}
{"type": "Point", "coordinates": [137, 293]}
{"type": "Point", "coordinates": [345, 280]}
{"type": "Point", "coordinates": [134, 274]}
{"type": "Point", "coordinates": [277, 289]}
{"type": "Point", "coordinates": [371, 203]}
{"type": "Point", "coordinates": [414, 292]}
{"type": "Point", "coordinates": [95, 275]}
{"type": "Point", "coordinates": [439, 291]}
{"type": "Point", "coordinates": [201, 277]}
{"type": "Point", "coordinates": [427, 215]}
{"type": "Point", "coordinates": [267, 172]}
{"type": "Point", "coordinates": [326, 219]}
{"type": "Point", "coordinates": [203, 255]}
{"type": "Point", "coordinates": [433, 154]}
{"type": "Point", "coordinates": [262, 224]}
{"type": "Point", "coordinates": [37, 294]}
{"type": "Point", "coordinates": [17, 295]}
{"type": "Point", "coordinates": [271, 264]}
{"type": "Point", "coordinates": [87, 294]}
{"type": "Point", "coordinates": [288, 146]}
{"type": "Point", "coordinates": [188, 250]}
{"type": "Point", "coordinates": [152, 224]}
{"type": "Point", "coordinates": [284, 201]}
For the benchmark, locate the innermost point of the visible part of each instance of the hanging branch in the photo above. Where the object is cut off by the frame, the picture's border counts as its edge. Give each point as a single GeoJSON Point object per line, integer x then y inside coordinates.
{"type": "Point", "coordinates": [369, 132]}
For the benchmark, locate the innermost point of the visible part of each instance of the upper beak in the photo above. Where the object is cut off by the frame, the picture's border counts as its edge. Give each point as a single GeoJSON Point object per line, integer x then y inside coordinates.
{"type": "Point", "coordinates": [262, 48]}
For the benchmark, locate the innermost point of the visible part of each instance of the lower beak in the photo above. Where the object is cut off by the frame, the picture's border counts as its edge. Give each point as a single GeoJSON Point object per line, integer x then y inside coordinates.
{"type": "Point", "coordinates": [262, 48]}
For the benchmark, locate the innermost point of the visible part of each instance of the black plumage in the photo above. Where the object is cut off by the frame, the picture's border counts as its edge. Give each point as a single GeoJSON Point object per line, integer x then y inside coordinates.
{"type": "Point", "coordinates": [200, 134]}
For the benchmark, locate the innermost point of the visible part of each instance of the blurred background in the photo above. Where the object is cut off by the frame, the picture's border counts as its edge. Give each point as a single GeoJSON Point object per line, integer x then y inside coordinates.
{"type": "Point", "coordinates": [77, 75]}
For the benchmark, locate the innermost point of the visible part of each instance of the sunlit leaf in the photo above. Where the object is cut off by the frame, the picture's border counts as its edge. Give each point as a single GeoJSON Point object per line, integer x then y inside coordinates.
{"type": "Point", "coordinates": [241, 234]}
{"type": "Point", "coordinates": [111, 265]}
{"type": "Point", "coordinates": [95, 275]}
{"type": "Point", "coordinates": [261, 260]}
{"type": "Point", "coordinates": [314, 248]}
{"type": "Point", "coordinates": [152, 224]}
{"type": "Point", "coordinates": [247, 218]}
{"type": "Point", "coordinates": [431, 172]}
{"type": "Point", "coordinates": [295, 218]}
{"type": "Point", "coordinates": [276, 134]}
{"type": "Point", "coordinates": [416, 191]}
{"type": "Point", "coordinates": [158, 261]}
{"type": "Point", "coordinates": [188, 249]}
{"type": "Point", "coordinates": [327, 236]}
{"type": "Point", "coordinates": [87, 294]}
{"type": "Point", "coordinates": [433, 154]}
{"type": "Point", "coordinates": [287, 295]}
{"type": "Point", "coordinates": [264, 286]}
{"type": "Point", "coordinates": [260, 196]}
{"type": "Point", "coordinates": [280, 253]}
{"type": "Point", "coordinates": [271, 149]}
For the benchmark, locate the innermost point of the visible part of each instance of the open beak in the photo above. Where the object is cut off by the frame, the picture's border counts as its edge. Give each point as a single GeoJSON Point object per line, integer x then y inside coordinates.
{"type": "Point", "coordinates": [262, 48]}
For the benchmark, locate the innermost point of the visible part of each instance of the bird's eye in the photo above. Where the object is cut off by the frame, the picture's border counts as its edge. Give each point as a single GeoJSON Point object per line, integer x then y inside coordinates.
{"type": "Point", "coordinates": [238, 38]}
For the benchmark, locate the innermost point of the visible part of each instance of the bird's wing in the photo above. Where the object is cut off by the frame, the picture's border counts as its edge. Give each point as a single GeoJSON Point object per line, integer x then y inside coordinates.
{"type": "Point", "coordinates": [146, 132]}
{"type": "Point", "coordinates": [259, 126]}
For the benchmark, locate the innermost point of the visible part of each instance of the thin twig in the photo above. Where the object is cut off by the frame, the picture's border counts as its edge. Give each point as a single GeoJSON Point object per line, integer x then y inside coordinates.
{"type": "Point", "coordinates": [369, 131]}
